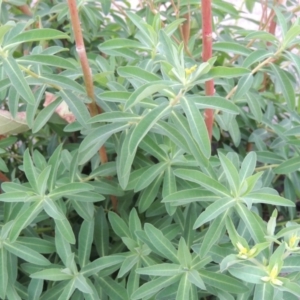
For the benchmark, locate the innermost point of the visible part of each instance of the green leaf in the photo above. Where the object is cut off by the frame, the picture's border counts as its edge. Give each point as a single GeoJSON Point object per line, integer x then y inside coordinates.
{"type": "Point", "coordinates": [3, 272]}
{"type": "Point", "coordinates": [65, 229]}
{"type": "Point", "coordinates": [152, 287]}
{"type": "Point", "coordinates": [256, 56]}
{"type": "Point", "coordinates": [214, 102]}
{"type": "Point", "coordinates": [106, 4]}
{"type": "Point", "coordinates": [68, 290]}
{"type": "Point", "coordinates": [69, 189]}
{"type": "Point", "coordinates": [161, 243]}
{"type": "Point", "coordinates": [26, 253]}
{"type": "Point", "coordinates": [24, 219]}
{"type": "Point", "coordinates": [118, 225]}
{"type": "Point", "coordinates": [256, 197]}
{"type": "Point", "coordinates": [288, 166]}
{"type": "Point", "coordinates": [183, 288]}
{"type": "Point", "coordinates": [253, 274]}
{"type": "Point", "coordinates": [149, 194]}
{"type": "Point", "coordinates": [76, 105]}
{"type": "Point", "coordinates": [52, 209]}
{"type": "Point", "coordinates": [115, 116]}
{"type": "Point", "coordinates": [146, 31]}
{"type": "Point", "coordinates": [187, 196]}
{"type": "Point", "coordinates": [33, 35]}
{"type": "Point", "coordinates": [143, 127]}
{"type": "Point", "coordinates": [45, 114]}
{"type": "Point", "coordinates": [232, 48]}
{"type": "Point", "coordinates": [244, 85]}
{"type": "Point", "coordinates": [138, 73]}
{"type": "Point", "coordinates": [128, 264]}
{"type": "Point", "coordinates": [145, 91]}
{"type": "Point", "coordinates": [96, 139]}
{"type": "Point", "coordinates": [118, 43]}
{"type": "Point", "coordinates": [52, 275]}
{"type": "Point", "coordinates": [162, 269]}
{"type": "Point", "coordinates": [254, 224]}
{"type": "Point", "coordinates": [223, 282]}
{"type": "Point", "coordinates": [227, 72]}
{"type": "Point", "coordinates": [286, 86]}
{"type": "Point", "coordinates": [248, 166]}
{"type": "Point", "coordinates": [203, 180]}
{"type": "Point", "coordinates": [112, 288]}
{"type": "Point", "coordinates": [149, 176]}
{"type": "Point", "coordinates": [35, 289]}
{"type": "Point", "coordinates": [100, 264]}
{"type": "Point", "coordinates": [231, 173]}
{"type": "Point", "coordinates": [194, 278]}
{"type": "Point", "coordinates": [197, 126]}
{"type": "Point", "coordinates": [50, 60]}
{"type": "Point", "coordinates": [291, 36]}
{"type": "Point", "coordinates": [214, 210]}
{"type": "Point", "coordinates": [85, 240]}
{"type": "Point", "coordinates": [215, 231]}
{"type": "Point", "coordinates": [17, 79]}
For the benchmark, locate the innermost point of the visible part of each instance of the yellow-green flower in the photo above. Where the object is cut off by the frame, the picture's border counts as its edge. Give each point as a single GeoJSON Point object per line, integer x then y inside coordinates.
{"type": "Point", "coordinates": [293, 241]}
{"type": "Point", "coordinates": [244, 252]}
{"type": "Point", "coordinates": [189, 71]}
{"type": "Point", "coordinates": [272, 278]}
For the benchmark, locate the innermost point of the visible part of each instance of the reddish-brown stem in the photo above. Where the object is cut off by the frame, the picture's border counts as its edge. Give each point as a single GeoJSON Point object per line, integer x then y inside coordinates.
{"type": "Point", "coordinates": [206, 55]}
{"type": "Point", "coordinates": [87, 75]}
{"type": "Point", "coordinates": [25, 9]}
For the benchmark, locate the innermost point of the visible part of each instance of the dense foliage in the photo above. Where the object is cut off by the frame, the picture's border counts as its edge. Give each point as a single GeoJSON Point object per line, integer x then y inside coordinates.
{"type": "Point", "coordinates": [114, 190]}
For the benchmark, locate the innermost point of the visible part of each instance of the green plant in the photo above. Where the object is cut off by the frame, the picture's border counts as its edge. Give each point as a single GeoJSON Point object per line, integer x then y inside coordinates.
{"type": "Point", "coordinates": [139, 197]}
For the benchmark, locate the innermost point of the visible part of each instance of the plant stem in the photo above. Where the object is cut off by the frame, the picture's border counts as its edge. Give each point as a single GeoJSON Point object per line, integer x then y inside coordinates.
{"type": "Point", "coordinates": [87, 76]}
{"type": "Point", "coordinates": [206, 55]}
{"type": "Point", "coordinates": [80, 48]}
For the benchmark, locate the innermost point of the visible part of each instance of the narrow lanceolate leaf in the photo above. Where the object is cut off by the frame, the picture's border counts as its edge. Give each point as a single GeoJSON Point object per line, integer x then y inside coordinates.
{"type": "Point", "coordinates": [148, 121]}
{"type": "Point", "coordinates": [161, 243]}
{"type": "Point", "coordinates": [17, 79]}
{"type": "Point", "coordinates": [138, 73]}
{"type": "Point", "coordinates": [231, 172]}
{"type": "Point", "coordinates": [227, 72]}
{"type": "Point", "coordinates": [3, 272]}
{"type": "Point", "coordinates": [203, 180]}
{"type": "Point", "coordinates": [244, 85]}
{"type": "Point", "coordinates": [248, 165]}
{"type": "Point", "coordinates": [76, 105]}
{"type": "Point", "coordinates": [288, 166]}
{"type": "Point", "coordinates": [30, 171]}
{"type": "Point", "coordinates": [115, 117]}
{"type": "Point", "coordinates": [35, 288]}
{"type": "Point", "coordinates": [214, 102]}
{"type": "Point", "coordinates": [197, 126]}
{"type": "Point", "coordinates": [254, 224]}
{"type": "Point", "coordinates": [223, 282]}
{"type": "Point", "coordinates": [194, 278]}
{"type": "Point", "coordinates": [163, 269]}
{"type": "Point", "coordinates": [263, 291]}
{"type": "Point", "coordinates": [214, 210]}
{"type": "Point", "coordinates": [52, 209]}
{"type": "Point", "coordinates": [50, 60]}
{"type": "Point", "coordinates": [52, 275]}
{"type": "Point", "coordinates": [183, 288]}
{"type": "Point", "coordinates": [286, 86]}
{"type": "Point", "coordinates": [44, 115]}
{"type": "Point", "coordinates": [268, 199]}
{"type": "Point", "coordinates": [70, 189]}
{"type": "Point", "coordinates": [145, 91]}
{"type": "Point", "coordinates": [65, 229]}
{"type": "Point", "coordinates": [118, 225]}
{"type": "Point", "coordinates": [26, 253]}
{"type": "Point", "coordinates": [101, 264]}
{"type": "Point", "coordinates": [24, 219]}
{"type": "Point", "coordinates": [85, 241]}
{"type": "Point", "coordinates": [152, 287]}
{"type": "Point", "coordinates": [36, 35]}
